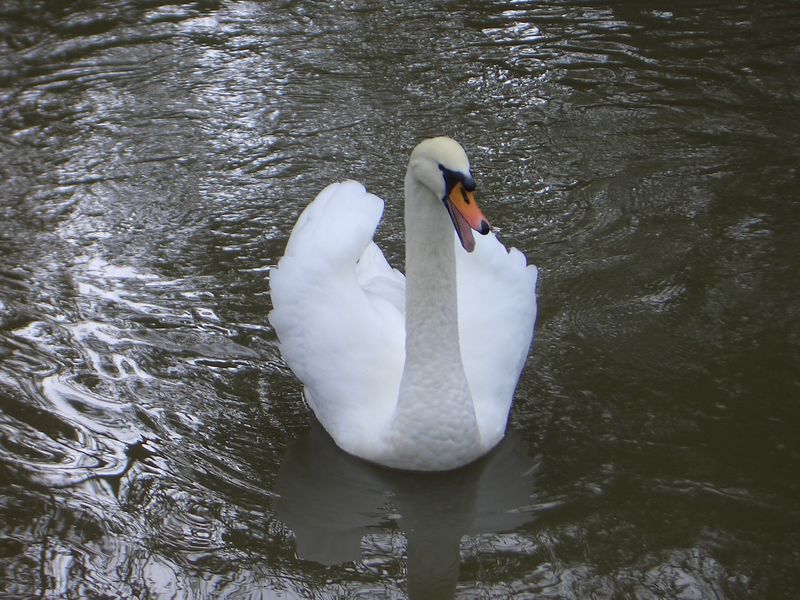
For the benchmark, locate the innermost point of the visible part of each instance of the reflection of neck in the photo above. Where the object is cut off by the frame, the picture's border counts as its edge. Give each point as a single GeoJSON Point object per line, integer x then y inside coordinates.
{"type": "Point", "coordinates": [436, 511]}
{"type": "Point", "coordinates": [433, 561]}
{"type": "Point", "coordinates": [434, 405]}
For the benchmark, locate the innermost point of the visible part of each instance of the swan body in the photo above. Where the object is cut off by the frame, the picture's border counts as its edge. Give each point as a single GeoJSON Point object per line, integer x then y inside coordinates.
{"type": "Point", "coordinates": [414, 372]}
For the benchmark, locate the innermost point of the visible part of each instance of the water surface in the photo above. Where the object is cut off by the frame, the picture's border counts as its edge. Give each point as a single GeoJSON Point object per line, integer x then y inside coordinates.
{"type": "Point", "coordinates": [153, 159]}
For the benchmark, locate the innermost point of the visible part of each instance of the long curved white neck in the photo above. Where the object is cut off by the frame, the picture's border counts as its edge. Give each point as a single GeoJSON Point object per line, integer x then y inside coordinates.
{"type": "Point", "coordinates": [434, 422]}
{"type": "Point", "coordinates": [431, 297]}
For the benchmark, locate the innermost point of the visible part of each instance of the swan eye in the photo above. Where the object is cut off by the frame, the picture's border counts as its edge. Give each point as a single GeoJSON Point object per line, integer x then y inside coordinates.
{"type": "Point", "coordinates": [451, 178]}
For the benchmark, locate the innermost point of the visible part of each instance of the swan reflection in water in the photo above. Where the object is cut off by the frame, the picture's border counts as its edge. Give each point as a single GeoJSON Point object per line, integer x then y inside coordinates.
{"type": "Point", "coordinates": [330, 500]}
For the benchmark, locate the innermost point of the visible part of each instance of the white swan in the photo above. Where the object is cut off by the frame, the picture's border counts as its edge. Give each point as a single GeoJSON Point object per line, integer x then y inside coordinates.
{"type": "Point", "coordinates": [418, 372]}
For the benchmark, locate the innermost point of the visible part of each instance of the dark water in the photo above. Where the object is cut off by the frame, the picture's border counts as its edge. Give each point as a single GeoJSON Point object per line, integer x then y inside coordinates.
{"type": "Point", "coordinates": [153, 159]}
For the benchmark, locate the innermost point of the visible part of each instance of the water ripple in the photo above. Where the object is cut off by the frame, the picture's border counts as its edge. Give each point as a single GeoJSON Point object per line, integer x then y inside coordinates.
{"type": "Point", "coordinates": [154, 158]}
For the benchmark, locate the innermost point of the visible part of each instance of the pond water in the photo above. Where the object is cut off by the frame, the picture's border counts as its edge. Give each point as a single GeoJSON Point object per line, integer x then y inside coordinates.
{"type": "Point", "coordinates": [153, 158]}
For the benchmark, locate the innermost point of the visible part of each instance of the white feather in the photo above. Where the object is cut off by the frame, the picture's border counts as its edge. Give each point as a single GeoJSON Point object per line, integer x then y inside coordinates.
{"type": "Point", "coordinates": [339, 312]}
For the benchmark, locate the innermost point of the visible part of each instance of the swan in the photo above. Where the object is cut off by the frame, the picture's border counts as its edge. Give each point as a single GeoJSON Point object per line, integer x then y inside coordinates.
{"type": "Point", "coordinates": [416, 372]}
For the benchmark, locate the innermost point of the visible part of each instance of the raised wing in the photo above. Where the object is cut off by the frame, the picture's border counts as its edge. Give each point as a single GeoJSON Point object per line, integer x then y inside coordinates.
{"type": "Point", "coordinates": [496, 315]}
{"type": "Point", "coordinates": [337, 314]}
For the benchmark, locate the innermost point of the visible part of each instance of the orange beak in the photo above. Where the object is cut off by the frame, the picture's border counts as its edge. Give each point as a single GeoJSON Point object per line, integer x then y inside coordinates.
{"type": "Point", "coordinates": [466, 215]}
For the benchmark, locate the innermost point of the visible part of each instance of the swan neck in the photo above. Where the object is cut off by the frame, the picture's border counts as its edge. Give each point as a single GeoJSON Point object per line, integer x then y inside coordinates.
{"type": "Point", "coordinates": [434, 425]}
{"type": "Point", "coordinates": [431, 297]}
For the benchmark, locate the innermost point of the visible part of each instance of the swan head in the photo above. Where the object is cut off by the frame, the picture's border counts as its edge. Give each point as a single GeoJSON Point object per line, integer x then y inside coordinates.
{"type": "Point", "coordinates": [441, 165]}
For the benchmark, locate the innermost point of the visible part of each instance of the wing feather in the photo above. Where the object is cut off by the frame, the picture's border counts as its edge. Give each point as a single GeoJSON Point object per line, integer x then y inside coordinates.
{"type": "Point", "coordinates": [336, 312]}
{"type": "Point", "coordinates": [497, 312]}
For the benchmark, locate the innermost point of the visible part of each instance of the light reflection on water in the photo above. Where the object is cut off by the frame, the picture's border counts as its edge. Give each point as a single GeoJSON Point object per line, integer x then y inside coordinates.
{"type": "Point", "coordinates": [153, 161]}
